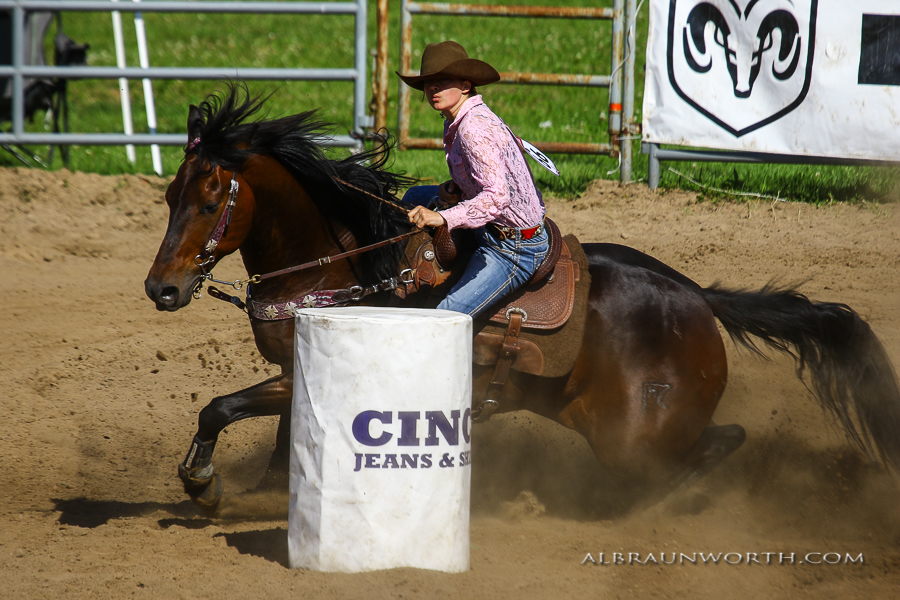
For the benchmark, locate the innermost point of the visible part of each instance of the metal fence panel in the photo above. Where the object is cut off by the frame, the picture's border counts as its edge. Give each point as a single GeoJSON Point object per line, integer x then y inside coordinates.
{"type": "Point", "coordinates": [18, 70]}
{"type": "Point", "coordinates": [620, 81]}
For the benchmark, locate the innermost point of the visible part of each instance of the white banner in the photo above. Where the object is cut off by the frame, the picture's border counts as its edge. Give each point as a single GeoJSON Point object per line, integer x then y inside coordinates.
{"type": "Point", "coordinates": [804, 77]}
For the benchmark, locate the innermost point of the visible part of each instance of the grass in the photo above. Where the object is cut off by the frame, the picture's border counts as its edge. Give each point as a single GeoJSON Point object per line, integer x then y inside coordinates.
{"type": "Point", "coordinates": [537, 113]}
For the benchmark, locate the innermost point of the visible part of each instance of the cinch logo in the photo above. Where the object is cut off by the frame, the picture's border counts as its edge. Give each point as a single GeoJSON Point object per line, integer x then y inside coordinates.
{"type": "Point", "coordinates": [449, 428]}
{"type": "Point", "coordinates": [373, 428]}
{"type": "Point", "coordinates": [741, 63]}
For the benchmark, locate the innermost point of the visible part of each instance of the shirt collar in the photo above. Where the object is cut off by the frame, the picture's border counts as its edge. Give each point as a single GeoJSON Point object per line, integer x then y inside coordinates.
{"type": "Point", "coordinates": [468, 105]}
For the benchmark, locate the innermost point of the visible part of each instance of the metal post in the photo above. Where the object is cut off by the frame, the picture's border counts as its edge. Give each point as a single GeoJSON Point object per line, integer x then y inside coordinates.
{"type": "Point", "coordinates": [615, 84]}
{"type": "Point", "coordinates": [18, 61]}
{"type": "Point", "coordinates": [653, 168]}
{"type": "Point", "coordinates": [381, 67]}
{"type": "Point", "coordinates": [628, 129]}
{"type": "Point", "coordinates": [405, 67]}
{"type": "Point", "coordinates": [149, 103]}
{"type": "Point", "coordinates": [360, 110]}
{"type": "Point", "coordinates": [124, 94]}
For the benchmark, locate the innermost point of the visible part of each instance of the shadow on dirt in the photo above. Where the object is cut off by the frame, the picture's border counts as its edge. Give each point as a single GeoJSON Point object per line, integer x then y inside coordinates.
{"type": "Point", "coordinates": [270, 544]}
{"type": "Point", "coordinates": [248, 506]}
{"type": "Point", "coordinates": [84, 512]}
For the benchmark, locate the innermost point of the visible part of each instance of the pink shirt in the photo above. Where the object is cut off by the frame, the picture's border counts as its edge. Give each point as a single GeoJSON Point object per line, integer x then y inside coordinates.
{"type": "Point", "coordinates": [487, 164]}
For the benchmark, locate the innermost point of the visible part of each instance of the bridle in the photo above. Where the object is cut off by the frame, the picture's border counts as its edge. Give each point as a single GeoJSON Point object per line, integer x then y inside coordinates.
{"type": "Point", "coordinates": [207, 256]}
{"type": "Point", "coordinates": [315, 299]}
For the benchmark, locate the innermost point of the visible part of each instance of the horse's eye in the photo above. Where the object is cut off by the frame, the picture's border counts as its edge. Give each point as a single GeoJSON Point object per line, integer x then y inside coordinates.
{"type": "Point", "coordinates": [210, 208]}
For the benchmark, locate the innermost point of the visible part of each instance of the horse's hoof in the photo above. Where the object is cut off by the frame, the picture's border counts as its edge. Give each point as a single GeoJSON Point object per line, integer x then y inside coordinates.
{"type": "Point", "coordinates": [209, 498]}
{"type": "Point", "coordinates": [204, 487]}
{"type": "Point", "coordinates": [195, 480]}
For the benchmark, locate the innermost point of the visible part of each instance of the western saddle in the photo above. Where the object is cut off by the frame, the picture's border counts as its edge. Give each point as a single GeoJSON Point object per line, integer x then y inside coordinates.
{"type": "Point", "coordinates": [543, 306]}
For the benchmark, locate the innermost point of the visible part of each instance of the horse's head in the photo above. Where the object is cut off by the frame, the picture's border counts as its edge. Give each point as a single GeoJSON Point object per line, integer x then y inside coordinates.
{"type": "Point", "coordinates": [303, 206]}
{"type": "Point", "coordinates": [197, 200]}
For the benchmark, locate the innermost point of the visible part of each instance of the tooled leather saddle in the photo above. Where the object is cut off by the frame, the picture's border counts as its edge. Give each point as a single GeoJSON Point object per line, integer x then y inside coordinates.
{"type": "Point", "coordinates": [536, 330]}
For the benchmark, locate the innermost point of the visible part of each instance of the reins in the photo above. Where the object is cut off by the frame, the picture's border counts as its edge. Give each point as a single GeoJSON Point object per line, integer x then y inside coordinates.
{"type": "Point", "coordinates": [379, 198]}
{"type": "Point", "coordinates": [327, 259]}
{"type": "Point", "coordinates": [207, 256]}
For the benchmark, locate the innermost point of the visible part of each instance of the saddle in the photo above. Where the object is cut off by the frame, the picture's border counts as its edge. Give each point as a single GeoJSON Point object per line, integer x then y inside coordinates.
{"type": "Point", "coordinates": [537, 329]}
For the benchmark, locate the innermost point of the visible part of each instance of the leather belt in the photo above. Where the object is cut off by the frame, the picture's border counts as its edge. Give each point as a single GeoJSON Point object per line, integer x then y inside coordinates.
{"type": "Point", "coordinates": [508, 233]}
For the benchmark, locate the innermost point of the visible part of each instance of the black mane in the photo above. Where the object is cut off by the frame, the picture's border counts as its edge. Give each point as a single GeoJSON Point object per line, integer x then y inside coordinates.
{"type": "Point", "coordinates": [228, 138]}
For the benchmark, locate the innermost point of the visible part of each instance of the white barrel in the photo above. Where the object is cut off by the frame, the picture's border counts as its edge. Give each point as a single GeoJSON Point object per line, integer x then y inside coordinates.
{"type": "Point", "coordinates": [380, 449]}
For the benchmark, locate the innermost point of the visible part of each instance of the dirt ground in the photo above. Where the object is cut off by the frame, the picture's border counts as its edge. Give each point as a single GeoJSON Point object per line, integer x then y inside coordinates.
{"type": "Point", "coordinates": [101, 392]}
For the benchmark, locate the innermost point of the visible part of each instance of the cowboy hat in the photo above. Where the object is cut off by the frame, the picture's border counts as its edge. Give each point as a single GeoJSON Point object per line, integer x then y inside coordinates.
{"type": "Point", "coordinates": [448, 60]}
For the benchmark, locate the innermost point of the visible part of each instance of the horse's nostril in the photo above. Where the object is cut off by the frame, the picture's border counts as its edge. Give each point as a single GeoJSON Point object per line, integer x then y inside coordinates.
{"type": "Point", "coordinates": [169, 295]}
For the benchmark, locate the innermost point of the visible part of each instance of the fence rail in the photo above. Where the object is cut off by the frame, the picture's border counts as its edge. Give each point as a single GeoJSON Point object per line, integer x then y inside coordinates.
{"type": "Point", "coordinates": [620, 81]}
{"type": "Point", "coordinates": [18, 70]}
{"type": "Point", "coordinates": [657, 155]}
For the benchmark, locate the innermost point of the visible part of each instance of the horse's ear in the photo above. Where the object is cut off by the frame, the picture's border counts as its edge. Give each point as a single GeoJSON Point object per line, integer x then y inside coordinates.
{"type": "Point", "coordinates": [194, 123]}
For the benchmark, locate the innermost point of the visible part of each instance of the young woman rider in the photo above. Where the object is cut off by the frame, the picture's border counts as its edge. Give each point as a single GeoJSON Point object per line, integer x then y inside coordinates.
{"type": "Point", "coordinates": [490, 178]}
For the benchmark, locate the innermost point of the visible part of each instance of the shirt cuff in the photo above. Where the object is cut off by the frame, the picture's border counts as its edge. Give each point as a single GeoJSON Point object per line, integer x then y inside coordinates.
{"type": "Point", "coordinates": [455, 216]}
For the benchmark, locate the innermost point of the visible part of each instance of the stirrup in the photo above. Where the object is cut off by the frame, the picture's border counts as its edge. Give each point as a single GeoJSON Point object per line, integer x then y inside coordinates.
{"type": "Point", "coordinates": [483, 411]}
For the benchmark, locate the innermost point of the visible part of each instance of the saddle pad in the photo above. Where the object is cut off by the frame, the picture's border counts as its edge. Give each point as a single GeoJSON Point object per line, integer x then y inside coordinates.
{"type": "Point", "coordinates": [543, 351]}
{"type": "Point", "coordinates": [547, 304]}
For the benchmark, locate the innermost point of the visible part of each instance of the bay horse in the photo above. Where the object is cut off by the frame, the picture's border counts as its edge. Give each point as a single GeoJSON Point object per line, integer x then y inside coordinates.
{"type": "Point", "coordinates": [648, 327]}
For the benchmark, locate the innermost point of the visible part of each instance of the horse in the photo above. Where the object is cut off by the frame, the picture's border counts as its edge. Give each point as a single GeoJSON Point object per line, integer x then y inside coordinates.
{"type": "Point", "coordinates": [652, 365]}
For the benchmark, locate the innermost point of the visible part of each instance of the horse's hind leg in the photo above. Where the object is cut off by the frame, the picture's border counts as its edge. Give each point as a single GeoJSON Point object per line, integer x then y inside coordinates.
{"type": "Point", "coordinates": [269, 398]}
{"type": "Point", "coordinates": [715, 443]}
{"type": "Point", "coordinates": [645, 387]}
{"type": "Point", "coordinates": [276, 473]}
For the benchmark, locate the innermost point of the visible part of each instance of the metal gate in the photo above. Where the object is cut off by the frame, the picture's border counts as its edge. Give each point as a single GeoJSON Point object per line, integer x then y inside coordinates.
{"type": "Point", "coordinates": [18, 70]}
{"type": "Point", "coordinates": [620, 81]}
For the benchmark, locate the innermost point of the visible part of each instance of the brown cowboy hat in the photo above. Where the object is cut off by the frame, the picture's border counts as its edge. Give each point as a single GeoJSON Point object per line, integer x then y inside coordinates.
{"type": "Point", "coordinates": [448, 60]}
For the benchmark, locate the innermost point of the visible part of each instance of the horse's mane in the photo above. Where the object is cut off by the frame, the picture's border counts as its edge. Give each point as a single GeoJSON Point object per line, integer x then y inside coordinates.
{"type": "Point", "coordinates": [228, 137]}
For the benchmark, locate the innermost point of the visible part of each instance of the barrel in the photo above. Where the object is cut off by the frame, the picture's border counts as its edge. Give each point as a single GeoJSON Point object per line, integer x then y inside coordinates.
{"type": "Point", "coordinates": [380, 440]}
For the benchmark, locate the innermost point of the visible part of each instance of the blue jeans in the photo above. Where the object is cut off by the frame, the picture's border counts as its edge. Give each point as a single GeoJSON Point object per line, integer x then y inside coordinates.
{"type": "Point", "coordinates": [495, 270]}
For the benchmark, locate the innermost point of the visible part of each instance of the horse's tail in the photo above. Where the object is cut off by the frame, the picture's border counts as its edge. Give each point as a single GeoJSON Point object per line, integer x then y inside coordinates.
{"type": "Point", "coordinates": [849, 368]}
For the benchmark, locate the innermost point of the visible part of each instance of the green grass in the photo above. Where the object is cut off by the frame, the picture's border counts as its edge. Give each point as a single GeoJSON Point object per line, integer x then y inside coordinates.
{"type": "Point", "coordinates": [815, 184]}
{"type": "Point", "coordinates": [537, 113]}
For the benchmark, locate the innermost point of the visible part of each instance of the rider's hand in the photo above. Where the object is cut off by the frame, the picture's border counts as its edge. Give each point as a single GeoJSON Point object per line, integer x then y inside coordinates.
{"type": "Point", "coordinates": [422, 217]}
{"type": "Point", "coordinates": [448, 194]}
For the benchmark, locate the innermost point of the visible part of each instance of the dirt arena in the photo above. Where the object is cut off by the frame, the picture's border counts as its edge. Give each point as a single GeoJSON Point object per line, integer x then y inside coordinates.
{"type": "Point", "coordinates": [101, 392]}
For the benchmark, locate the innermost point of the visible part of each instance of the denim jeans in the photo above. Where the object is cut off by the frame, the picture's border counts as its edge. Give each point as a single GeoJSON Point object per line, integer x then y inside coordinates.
{"type": "Point", "coordinates": [495, 270]}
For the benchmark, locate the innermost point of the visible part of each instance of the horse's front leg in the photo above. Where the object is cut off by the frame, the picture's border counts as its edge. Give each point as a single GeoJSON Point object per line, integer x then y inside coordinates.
{"type": "Point", "coordinates": [271, 397]}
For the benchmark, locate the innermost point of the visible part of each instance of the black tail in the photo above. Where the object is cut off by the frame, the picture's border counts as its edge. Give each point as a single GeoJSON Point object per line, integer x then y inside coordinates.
{"type": "Point", "coordinates": [849, 368]}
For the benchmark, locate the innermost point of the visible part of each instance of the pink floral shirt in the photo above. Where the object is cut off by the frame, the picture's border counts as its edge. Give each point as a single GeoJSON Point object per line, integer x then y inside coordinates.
{"type": "Point", "coordinates": [487, 164]}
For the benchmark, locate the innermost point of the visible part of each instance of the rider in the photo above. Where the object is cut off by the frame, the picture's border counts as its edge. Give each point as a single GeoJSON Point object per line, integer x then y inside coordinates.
{"type": "Point", "coordinates": [490, 181]}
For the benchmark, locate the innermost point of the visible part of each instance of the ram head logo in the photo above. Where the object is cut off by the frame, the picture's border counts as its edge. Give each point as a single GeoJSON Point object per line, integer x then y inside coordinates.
{"type": "Point", "coordinates": [758, 50]}
{"type": "Point", "coordinates": [777, 39]}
